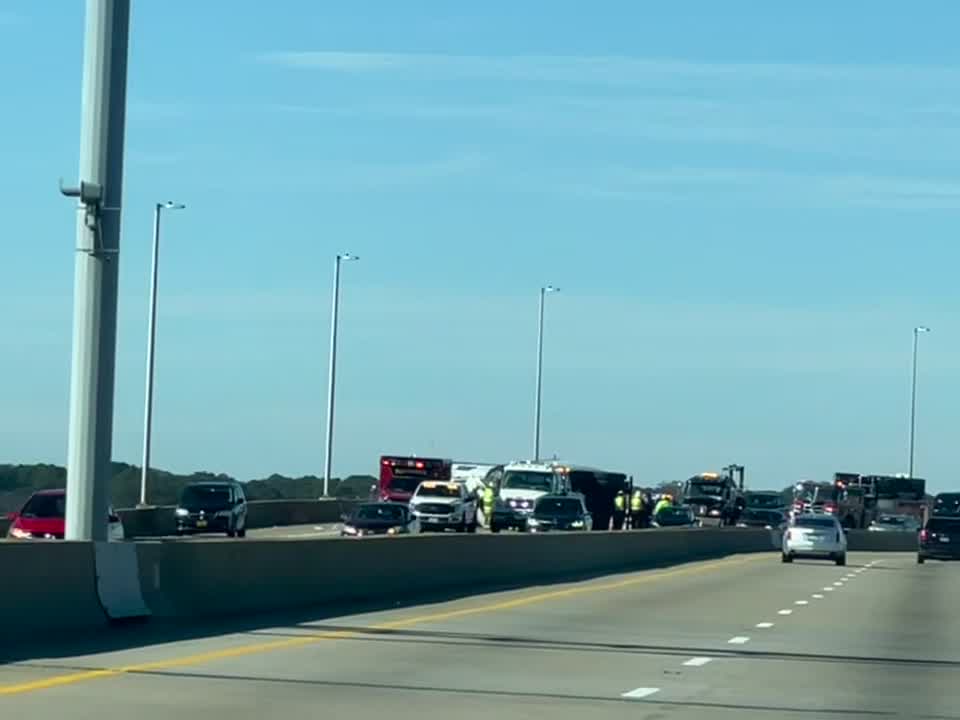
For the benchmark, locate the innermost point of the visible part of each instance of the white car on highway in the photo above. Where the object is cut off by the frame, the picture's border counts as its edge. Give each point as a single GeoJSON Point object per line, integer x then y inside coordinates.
{"type": "Point", "coordinates": [441, 505]}
{"type": "Point", "coordinates": [815, 536]}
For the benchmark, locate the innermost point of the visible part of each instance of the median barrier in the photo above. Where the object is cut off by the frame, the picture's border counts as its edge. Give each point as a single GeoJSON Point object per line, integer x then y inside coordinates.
{"type": "Point", "coordinates": [156, 521]}
{"type": "Point", "coordinates": [871, 541]}
{"type": "Point", "coordinates": [192, 580]}
{"type": "Point", "coordinates": [48, 588]}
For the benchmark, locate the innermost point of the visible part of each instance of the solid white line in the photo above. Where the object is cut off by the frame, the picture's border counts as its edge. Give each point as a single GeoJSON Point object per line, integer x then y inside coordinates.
{"type": "Point", "coordinates": [764, 625]}
{"type": "Point", "coordinates": [640, 693]}
{"type": "Point", "coordinates": [697, 661]}
{"type": "Point", "coordinates": [785, 612]}
{"type": "Point", "coordinates": [738, 640]}
{"type": "Point", "coordinates": [817, 596]}
{"type": "Point", "coordinates": [802, 602]}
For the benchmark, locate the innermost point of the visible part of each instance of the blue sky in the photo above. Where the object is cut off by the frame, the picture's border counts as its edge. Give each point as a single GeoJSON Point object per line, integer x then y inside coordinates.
{"type": "Point", "coordinates": [748, 208]}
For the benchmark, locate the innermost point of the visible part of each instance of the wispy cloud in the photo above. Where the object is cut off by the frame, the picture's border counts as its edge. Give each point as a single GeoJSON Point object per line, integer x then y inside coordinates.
{"type": "Point", "coordinates": [608, 69]}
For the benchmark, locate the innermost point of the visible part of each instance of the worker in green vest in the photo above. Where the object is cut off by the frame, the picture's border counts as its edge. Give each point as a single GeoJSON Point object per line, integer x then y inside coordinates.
{"type": "Point", "coordinates": [636, 508]}
{"type": "Point", "coordinates": [488, 503]}
{"type": "Point", "coordinates": [665, 501]}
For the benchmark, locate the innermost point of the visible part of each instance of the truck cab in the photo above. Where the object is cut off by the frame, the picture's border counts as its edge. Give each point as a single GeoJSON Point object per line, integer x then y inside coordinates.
{"type": "Point", "coordinates": [518, 486]}
{"type": "Point", "coordinates": [715, 499]}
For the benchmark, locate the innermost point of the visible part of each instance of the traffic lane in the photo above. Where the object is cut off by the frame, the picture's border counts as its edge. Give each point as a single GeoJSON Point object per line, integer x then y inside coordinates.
{"type": "Point", "coordinates": [401, 633]}
{"type": "Point", "coordinates": [882, 643]}
{"type": "Point", "coordinates": [312, 531]}
{"type": "Point", "coordinates": [411, 664]}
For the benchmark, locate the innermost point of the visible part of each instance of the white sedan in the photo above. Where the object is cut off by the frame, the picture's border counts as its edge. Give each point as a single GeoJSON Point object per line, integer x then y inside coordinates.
{"type": "Point", "coordinates": [815, 536]}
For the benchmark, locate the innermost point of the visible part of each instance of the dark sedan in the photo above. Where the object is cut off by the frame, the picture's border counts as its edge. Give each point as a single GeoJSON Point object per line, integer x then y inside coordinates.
{"type": "Point", "coordinates": [769, 519]}
{"type": "Point", "coordinates": [384, 518]}
{"type": "Point", "coordinates": [559, 512]}
{"type": "Point", "coordinates": [675, 516]}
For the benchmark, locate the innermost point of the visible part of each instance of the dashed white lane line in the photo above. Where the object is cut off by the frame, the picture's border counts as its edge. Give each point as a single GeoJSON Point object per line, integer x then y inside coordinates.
{"type": "Point", "coordinates": [697, 661]}
{"type": "Point", "coordinates": [784, 612]}
{"type": "Point", "coordinates": [817, 596]}
{"type": "Point", "coordinates": [829, 589]}
{"type": "Point", "coordinates": [738, 640]}
{"type": "Point", "coordinates": [640, 693]}
{"type": "Point", "coordinates": [802, 602]}
{"type": "Point", "coordinates": [838, 583]}
{"type": "Point", "coordinates": [765, 625]}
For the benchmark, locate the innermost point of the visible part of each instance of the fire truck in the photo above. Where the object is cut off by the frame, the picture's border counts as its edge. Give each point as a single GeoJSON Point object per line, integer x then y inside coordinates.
{"type": "Point", "coordinates": [857, 500]}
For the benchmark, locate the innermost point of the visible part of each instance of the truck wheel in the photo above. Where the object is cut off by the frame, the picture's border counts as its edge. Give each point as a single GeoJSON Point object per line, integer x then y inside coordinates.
{"type": "Point", "coordinates": [842, 559]}
{"type": "Point", "coordinates": [920, 559]}
{"type": "Point", "coordinates": [784, 557]}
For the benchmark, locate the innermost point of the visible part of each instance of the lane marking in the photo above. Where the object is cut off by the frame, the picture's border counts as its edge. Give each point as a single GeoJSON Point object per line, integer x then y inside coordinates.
{"type": "Point", "coordinates": [838, 583]}
{"type": "Point", "coordinates": [784, 612]}
{"type": "Point", "coordinates": [738, 640]}
{"type": "Point", "coordinates": [817, 596]}
{"type": "Point", "coordinates": [640, 693]}
{"type": "Point", "coordinates": [764, 625]}
{"type": "Point", "coordinates": [697, 661]}
{"type": "Point", "coordinates": [802, 602]}
{"type": "Point", "coordinates": [829, 589]}
{"type": "Point", "coordinates": [323, 636]}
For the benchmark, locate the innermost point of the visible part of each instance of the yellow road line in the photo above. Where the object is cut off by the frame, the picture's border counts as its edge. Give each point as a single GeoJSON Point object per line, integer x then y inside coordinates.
{"type": "Point", "coordinates": [312, 638]}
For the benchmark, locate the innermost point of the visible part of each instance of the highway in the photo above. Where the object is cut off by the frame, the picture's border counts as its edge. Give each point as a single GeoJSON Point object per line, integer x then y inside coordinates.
{"type": "Point", "coordinates": [744, 636]}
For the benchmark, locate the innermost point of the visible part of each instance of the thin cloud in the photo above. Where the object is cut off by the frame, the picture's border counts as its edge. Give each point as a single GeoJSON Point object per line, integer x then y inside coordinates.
{"type": "Point", "coordinates": [607, 69]}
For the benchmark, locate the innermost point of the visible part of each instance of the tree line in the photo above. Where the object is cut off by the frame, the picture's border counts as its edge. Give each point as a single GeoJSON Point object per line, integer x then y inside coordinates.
{"type": "Point", "coordinates": [18, 482]}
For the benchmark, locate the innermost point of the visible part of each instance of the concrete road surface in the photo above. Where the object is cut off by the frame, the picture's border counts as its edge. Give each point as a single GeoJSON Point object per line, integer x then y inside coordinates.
{"type": "Point", "coordinates": [284, 532]}
{"type": "Point", "coordinates": [743, 637]}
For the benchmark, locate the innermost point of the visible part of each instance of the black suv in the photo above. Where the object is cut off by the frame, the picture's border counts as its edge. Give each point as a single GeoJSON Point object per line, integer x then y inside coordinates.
{"type": "Point", "coordinates": [940, 539]}
{"type": "Point", "coordinates": [559, 512]}
{"type": "Point", "coordinates": [212, 507]}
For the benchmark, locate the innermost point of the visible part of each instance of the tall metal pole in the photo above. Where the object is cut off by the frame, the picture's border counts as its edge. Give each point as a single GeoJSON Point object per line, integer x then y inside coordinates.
{"type": "Point", "coordinates": [331, 379]}
{"type": "Point", "coordinates": [913, 395]}
{"type": "Point", "coordinates": [95, 279]}
{"type": "Point", "coordinates": [151, 344]}
{"type": "Point", "coordinates": [536, 411]}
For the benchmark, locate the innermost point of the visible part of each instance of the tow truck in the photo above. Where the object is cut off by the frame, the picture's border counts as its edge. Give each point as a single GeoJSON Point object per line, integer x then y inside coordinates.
{"type": "Point", "coordinates": [857, 500]}
{"type": "Point", "coordinates": [716, 498]}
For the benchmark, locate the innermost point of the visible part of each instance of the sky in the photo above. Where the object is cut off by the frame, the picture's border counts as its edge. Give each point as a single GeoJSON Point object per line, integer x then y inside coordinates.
{"type": "Point", "coordinates": [748, 207]}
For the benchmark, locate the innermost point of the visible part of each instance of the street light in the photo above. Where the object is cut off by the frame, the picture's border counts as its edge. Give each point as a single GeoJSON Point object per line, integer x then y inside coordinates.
{"type": "Point", "coordinates": [331, 382]}
{"type": "Point", "coordinates": [536, 422]}
{"type": "Point", "coordinates": [151, 344]}
{"type": "Point", "coordinates": [913, 393]}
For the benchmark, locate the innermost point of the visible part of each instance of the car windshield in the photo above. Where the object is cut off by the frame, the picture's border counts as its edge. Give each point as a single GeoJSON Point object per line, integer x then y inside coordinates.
{"type": "Point", "coordinates": [558, 506]}
{"type": "Point", "coordinates": [205, 496]}
{"type": "Point", "coordinates": [527, 480]}
{"type": "Point", "coordinates": [389, 513]}
{"type": "Point", "coordinates": [763, 501]}
{"type": "Point", "coordinates": [704, 488]}
{"type": "Point", "coordinates": [891, 520]}
{"type": "Point", "coordinates": [404, 484]}
{"type": "Point", "coordinates": [45, 506]}
{"type": "Point", "coordinates": [438, 491]}
{"type": "Point", "coordinates": [815, 522]}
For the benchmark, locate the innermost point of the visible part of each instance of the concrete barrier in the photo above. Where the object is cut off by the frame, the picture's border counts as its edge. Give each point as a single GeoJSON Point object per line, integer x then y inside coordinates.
{"type": "Point", "coordinates": [159, 520]}
{"type": "Point", "coordinates": [867, 541]}
{"type": "Point", "coordinates": [187, 580]}
{"type": "Point", "coordinates": [48, 588]}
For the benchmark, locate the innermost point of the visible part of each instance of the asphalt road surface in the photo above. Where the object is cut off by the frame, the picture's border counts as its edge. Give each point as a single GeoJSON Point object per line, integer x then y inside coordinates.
{"type": "Point", "coordinates": [743, 637]}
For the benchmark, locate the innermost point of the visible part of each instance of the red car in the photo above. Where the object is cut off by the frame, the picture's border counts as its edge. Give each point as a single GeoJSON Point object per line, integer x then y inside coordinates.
{"type": "Point", "coordinates": [43, 517]}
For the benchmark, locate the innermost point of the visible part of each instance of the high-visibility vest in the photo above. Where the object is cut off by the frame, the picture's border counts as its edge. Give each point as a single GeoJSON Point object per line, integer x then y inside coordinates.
{"type": "Point", "coordinates": [661, 505]}
{"type": "Point", "coordinates": [488, 497]}
{"type": "Point", "coordinates": [636, 502]}
{"type": "Point", "coordinates": [619, 502]}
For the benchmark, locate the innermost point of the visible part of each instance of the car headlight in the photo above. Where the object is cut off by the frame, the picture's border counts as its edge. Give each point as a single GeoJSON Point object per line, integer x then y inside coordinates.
{"type": "Point", "coordinates": [714, 513]}
{"type": "Point", "coordinates": [533, 522]}
{"type": "Point", "coordinates": [395, 530]}
{"type": "Point", "coordinates": [19, 534]}
{"type": "Point", "coordinates": [577, 524]}
{"type": "Point", "coordinates": [182, 512]}
{"type": "Point", "coordinates": [349, 530]}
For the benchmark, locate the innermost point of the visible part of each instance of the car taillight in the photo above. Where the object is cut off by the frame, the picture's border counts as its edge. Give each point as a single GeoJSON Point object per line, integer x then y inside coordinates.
{"type": "Point", "coordinates": [924, 535]}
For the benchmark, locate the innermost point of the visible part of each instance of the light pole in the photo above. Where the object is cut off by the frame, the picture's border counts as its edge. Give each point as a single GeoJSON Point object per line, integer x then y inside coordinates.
{"type": "Point", "coordinates": [913, 393]}
{"type": "Point", "coordinates": [151, 345]}
{"type": "Point", "coordinates": [536, 412]}
{"type": "Point", "coordinates": [331, 381]}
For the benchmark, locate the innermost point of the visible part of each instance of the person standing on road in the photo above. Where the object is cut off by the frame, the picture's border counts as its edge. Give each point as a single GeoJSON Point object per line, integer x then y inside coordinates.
{"type": "Point", "coordinates": [488, 502]}
{"type": "Point", "coordinates": [636, 508]}
{"type": "Point", "coordinates": [619, 509]}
